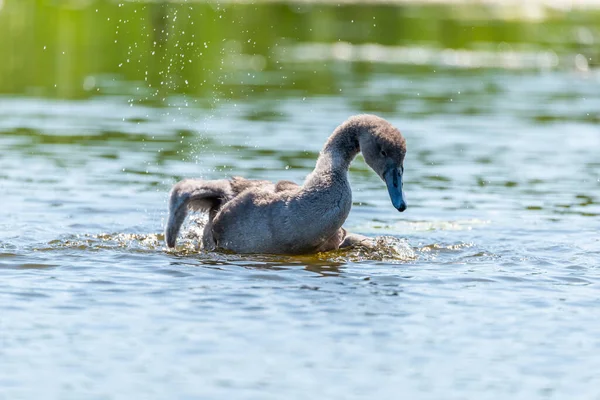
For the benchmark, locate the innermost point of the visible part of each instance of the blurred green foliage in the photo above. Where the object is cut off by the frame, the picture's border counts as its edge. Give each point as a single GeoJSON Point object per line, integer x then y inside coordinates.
{"type": "Point", "coordinates": [78, 49]}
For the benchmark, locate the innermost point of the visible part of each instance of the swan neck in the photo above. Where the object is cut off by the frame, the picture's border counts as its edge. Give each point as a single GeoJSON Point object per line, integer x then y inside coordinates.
{"type": "Point", "coordinates": [340, 149]}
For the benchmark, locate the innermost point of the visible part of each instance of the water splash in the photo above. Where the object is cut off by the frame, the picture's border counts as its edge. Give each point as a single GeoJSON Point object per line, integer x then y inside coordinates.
{"type": "Point", "coordinates": [108, 241]}
{"type": "Point", "coordinates": [385, 248]}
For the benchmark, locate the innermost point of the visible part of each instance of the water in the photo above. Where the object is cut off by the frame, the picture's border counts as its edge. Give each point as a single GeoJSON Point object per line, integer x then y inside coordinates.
{"type": "Point", "coordinates": [486, 287]}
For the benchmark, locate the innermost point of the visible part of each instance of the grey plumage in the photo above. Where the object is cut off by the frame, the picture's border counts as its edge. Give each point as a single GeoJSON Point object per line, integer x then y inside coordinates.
{"type": "Point", "coordinates": [256, 216]}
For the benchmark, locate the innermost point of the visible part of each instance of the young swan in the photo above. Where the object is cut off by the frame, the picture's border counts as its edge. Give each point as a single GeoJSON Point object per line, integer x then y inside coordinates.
{"type": "Point", "coordinates": [253, 216]}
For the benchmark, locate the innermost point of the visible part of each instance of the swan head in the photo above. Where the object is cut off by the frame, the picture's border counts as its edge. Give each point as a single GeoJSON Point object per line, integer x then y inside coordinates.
{"type": "Point", "coordinates": [383, 148]}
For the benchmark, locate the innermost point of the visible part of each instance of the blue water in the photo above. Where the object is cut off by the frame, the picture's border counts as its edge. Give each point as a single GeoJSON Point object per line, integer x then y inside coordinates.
{"type": "Point", "coordinates": [485, 288]}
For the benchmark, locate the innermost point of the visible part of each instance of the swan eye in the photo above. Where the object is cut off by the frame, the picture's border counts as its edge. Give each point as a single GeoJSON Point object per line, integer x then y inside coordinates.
{"type": "Point", "coordinates": [383, 153]}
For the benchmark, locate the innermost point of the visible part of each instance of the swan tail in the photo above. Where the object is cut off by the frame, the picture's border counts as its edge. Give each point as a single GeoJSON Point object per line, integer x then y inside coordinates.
{"type": "Point", "coordinates": [194, 195]}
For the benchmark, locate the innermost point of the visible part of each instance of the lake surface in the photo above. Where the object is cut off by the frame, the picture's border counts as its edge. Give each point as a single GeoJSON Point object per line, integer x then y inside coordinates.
{"type": "Point", "coordinates": [486, 287]}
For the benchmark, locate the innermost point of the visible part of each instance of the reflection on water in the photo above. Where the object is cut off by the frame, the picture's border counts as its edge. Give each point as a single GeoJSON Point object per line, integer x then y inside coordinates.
{"type": "Point", "coordinates": [388, 249]}
{"type": "Point", "coordinates": [482, 289]}
{"type": "Point", "coordinates": [151, 51]}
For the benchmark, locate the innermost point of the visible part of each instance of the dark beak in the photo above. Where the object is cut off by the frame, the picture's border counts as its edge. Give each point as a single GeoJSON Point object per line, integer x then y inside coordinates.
{"type": "Point", "coordinates": [393, 180]}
